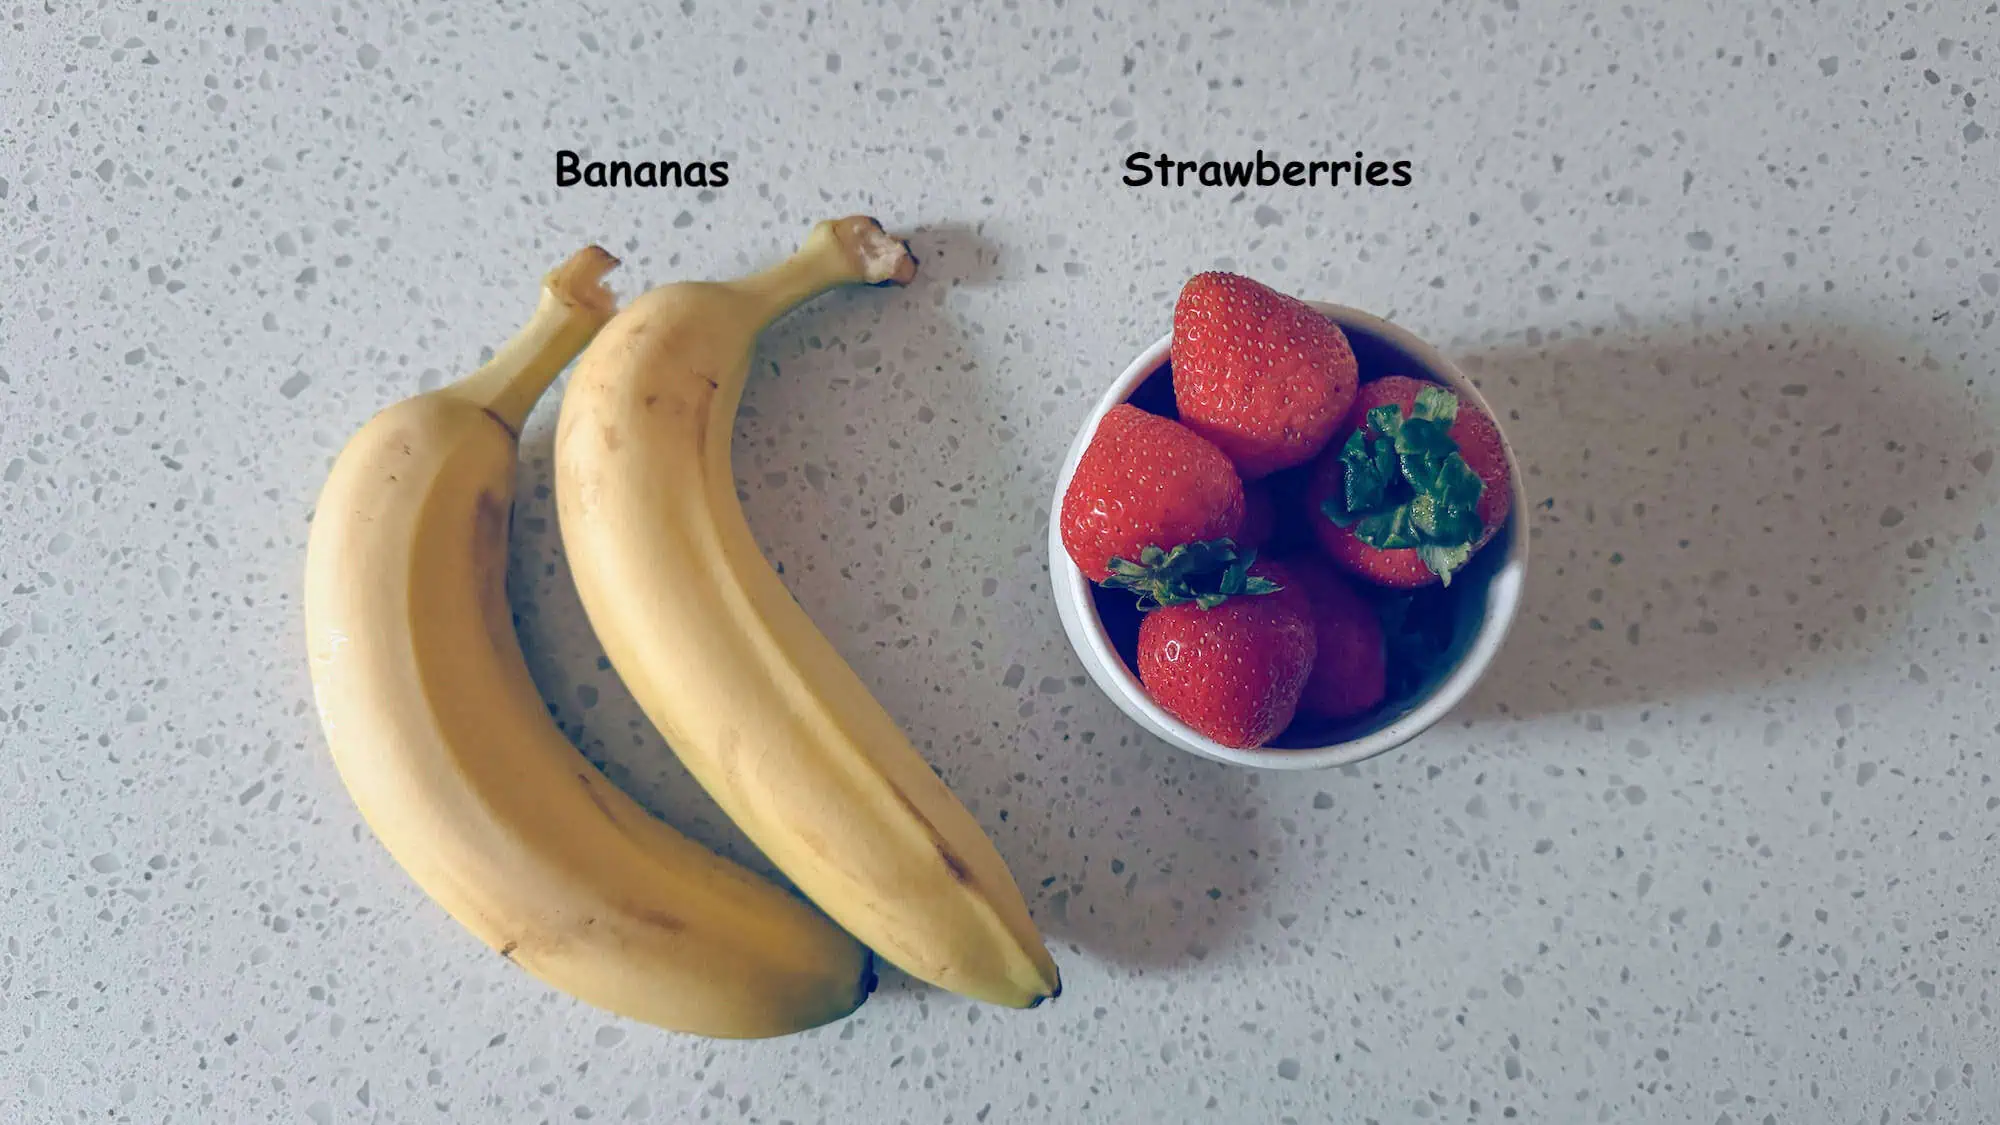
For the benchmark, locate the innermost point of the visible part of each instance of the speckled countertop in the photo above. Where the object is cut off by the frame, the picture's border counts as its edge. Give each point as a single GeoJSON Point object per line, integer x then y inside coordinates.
{"type": "Point", "coordinates": [1715, 842]}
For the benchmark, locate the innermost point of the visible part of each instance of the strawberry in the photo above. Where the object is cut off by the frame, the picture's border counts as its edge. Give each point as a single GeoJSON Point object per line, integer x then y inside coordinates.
{"type": "Point", "coordinates": [1262, 375]}
{"type": "Point", "coordinates": [1146, 481]}
{"type": "Point", "coordinates": [1233, 671]}
{"type": "Point", "coordinates": [1416, 484]}
{"type": "Point", "coordinates": [1350, 673]}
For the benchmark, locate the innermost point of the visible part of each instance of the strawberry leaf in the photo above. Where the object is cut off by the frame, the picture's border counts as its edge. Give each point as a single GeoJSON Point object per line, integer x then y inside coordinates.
{"type": "Point", "coordinates": [1435, 404]}
{"type": "Point", "coordinates": [1386, 421]}
{"type": "Point", "coordinates": [1405, 485]}
{"type": "Point", "coordinates": [1444, 561]}
{"type": "Point", "coordinates": [1205, 572]}
{"type": "Point", "coordinates": [1367, 475]}
{"type": "Point", "coordinates": [1232, 581]}
{"type": "Point", "coordinates": [1393, 530]}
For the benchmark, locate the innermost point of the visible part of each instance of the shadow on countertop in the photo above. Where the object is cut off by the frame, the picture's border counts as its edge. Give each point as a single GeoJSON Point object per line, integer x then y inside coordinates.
{"type": "Point", "coordinates": [1717, 507]}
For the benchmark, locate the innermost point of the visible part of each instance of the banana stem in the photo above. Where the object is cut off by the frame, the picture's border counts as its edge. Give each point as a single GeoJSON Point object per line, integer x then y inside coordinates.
{"type": "Point", "coordinates": [851, 251]}
{"type": "Point", "coordinates": [574, 304]}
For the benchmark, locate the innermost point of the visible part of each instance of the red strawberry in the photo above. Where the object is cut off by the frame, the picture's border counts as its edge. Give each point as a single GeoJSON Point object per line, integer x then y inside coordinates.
{"type": "Point", "coordinates": [1233, 672]}
{"type": "Point", "coordinates": [1350, 674]}
{"type": "Point", "coordinates": [1260, 374]}
{"type": "Point", "coordinates": [1146, 481]}
{"type": "Point", "coordinates": [1378, 522]}
{"type": "Point", "coordinates": [1260, 518]}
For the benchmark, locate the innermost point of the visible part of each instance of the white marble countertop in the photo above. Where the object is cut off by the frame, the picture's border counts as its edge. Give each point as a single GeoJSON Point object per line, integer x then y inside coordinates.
{"type": "Point", "coordinates": [1714, 843]}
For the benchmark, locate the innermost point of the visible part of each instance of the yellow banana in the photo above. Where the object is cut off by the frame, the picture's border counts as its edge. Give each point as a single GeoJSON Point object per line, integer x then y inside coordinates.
{"type": "Point", "coordinates": [757, 703]}
{"type": "Point", "coordinates": [444, 743]}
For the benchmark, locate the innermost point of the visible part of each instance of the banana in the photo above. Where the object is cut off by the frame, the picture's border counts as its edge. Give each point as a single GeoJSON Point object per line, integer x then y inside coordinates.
{"type": "Point", "coordinates": [443, 741]}
{"type": "Point", "coordinates": [754, 699]}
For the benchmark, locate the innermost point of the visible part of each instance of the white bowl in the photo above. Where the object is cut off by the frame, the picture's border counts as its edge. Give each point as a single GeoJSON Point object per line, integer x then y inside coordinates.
{"type": "Point", "coordinates": [1487, 593]}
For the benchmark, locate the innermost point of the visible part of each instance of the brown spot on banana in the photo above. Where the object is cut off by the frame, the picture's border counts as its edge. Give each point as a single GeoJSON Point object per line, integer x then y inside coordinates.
{"type": "Point", "coordinates": [590, 790]}
{"type": "Point", "coordinates": [508, 949]}
{"type": "Point", "coordinates": [491, 515]}
{"type": "Point", "coordinates": [501, 422]}
{"type": "Point", "coordinates": [664, 922]}
{"type": "Point", "coordinates": [700, 409]}
{"type": "Point", "coordinates": [960, 873]}
{"type": "Point", "coordinates": [610, 437]}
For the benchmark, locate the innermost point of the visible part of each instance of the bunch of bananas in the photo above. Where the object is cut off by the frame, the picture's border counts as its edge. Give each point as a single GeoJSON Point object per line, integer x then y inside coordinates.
{"type": "Point", "coordinates": [443, 741]}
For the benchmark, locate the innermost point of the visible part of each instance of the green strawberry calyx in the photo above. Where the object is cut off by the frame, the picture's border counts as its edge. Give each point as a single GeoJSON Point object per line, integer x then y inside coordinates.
{"type": "Point", "coordinates": [1205, 572]}
{"type": "Point", "coordinates": [1407, 487]}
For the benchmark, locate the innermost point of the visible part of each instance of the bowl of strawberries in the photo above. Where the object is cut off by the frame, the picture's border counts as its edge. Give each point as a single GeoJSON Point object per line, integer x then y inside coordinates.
{"type": "Point", "coordinates": [1291, 535]}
